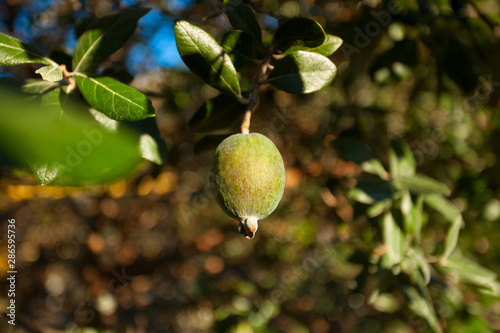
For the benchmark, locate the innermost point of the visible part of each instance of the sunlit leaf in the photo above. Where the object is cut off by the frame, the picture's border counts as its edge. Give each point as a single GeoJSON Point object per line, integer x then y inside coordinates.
{"type": "Point", "coordinates": [413, 219]}
{"type": "Point", "coordinates": [299, 31]}
{"type": "Point", "coordinates": [375, 167]}
{"type": "Point", "coordinates": [87, 153]}
{"type": "Point", "coordinates": [359, 195]}
{"type": "Point", "coordinates": [116, 100]}
{"type": "Point", "coordinates": [151, 143]}
{"type": "Point", "coordinates": [470, 272]}
{"type": "Point", "coordinates": [50, 73]}
{"type": "Point", "coordinates": [302, 73]}
{"type": "Point", "coordinates": [422, 306]}
{"type": "Point", "coordinates": [15, 52]}
{"type": "Point", "coordinates": [206, 58]}
{"type": "Point", "coordinates": [442, 205]}
{"type": "Point", "coordinates": [105, 36]}
{"type": "Point", "coordinates": [36, 87]}
{"type": "Point", "coordinates": [378, 208]}
{"type": "Point", "coordinates": [51, 101]}
{"type": "Point", "coordinates": [238, 45]}
{"type": "Point", "coordinates": [243, 18]}
{"type": "Point", "coordinates": [423, 184]}
{"type": "Point", "coordinates": [329, 46]}
{"type": "Point", "coordinates": [46, 172]}
{"type": "Point", "coordinates": [452, 237]}
{"type": "Point", "coordinates": [219, 113]}
{"type": "Point", "coordinates": [394, 239]}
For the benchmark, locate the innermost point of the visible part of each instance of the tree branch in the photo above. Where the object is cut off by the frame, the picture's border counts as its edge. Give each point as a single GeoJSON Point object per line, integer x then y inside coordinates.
{"type": "Point", "coordinates": [254, 97]}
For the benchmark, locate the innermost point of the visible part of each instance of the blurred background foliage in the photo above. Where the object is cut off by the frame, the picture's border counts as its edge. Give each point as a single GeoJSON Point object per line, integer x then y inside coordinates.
{"type": "Point", "coordinates": [153, 253]}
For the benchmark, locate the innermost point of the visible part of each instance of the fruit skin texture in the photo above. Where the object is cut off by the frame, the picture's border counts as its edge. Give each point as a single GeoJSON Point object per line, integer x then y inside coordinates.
{"type": "Point", "coordinates": [247, 179]}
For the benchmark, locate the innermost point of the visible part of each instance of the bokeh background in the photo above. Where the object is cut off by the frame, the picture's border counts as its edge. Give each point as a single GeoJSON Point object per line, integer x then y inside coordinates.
{"type": "Point", "coordinates": [154, 253]}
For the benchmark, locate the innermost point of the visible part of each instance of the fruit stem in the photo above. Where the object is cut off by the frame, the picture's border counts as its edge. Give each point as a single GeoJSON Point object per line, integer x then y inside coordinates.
{"type": "Point", "coordinates": [257, 82]}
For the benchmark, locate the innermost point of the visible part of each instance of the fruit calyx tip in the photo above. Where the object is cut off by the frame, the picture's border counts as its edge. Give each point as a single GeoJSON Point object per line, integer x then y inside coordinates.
{"type": "Point", "coordinates": [248, 226]}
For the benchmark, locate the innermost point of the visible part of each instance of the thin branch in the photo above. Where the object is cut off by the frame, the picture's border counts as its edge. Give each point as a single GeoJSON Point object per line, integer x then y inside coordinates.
{"type": "Point", "coordinates": [254, 96]}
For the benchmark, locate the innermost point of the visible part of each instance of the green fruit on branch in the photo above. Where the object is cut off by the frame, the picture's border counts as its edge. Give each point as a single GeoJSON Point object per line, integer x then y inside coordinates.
{"type": "Point", "coordinates": [248, 179]}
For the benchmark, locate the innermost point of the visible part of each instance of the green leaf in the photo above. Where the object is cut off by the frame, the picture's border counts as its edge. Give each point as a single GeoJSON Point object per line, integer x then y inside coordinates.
{"type": "Point", "coordinates": [46, 172]}
{"type": "Point", "coordinates": [452, 237]}
{"type": "Point", "coordinates": [413, 219]}
{"type": "Point", "coordinates": [375, 167]}
{"type": "Point", "coordinates": [302, 73]}
{"type": "Point", "coordinates": [219, 113]}
{"type": "Point", "coordinates": [421, 263]}
{"type": "Point", "coordinates": [329, 46]}
{"type": "Point", "coordinates": [35, 87]}
{"type": "Point", "coordinates": [299, 31]}
{"type": "Point", "coordinates": [359, 195]}
{"type": "Point", "coordinates": [394, 239]}
{"type": "Point", "coordinates": [87, 153]}
{"type": "Point", "coordinates": [353, 149]}
{"type": "Point", "coordinates": [15, 52]}
{"type": "Point", "coordinates": [376, 188]}
{"type": "Point", "coordinates": [104, 37]}
{"type": "Point", "coordinates": [209, 142]}
{"type": "Point", "coordinates": [151, 143]}
{"type": "Point", "coordinates": [51, 101]}
{"type": "Point", "coordinates": [238, 45]}
{"type": "Point", "coordinates": [243, 18]}
{"type": "Point", "coordinates": [470, 272]}
{"type": "Point", "coordinates": [50, 73]}
{"type": "Point", "coordinates": [401, 160]}
{"type": "Point", "coordinates": [206, 58]}
{"type": "Point", "coordinates": [442, 205]}
{"type": "Point", "coordinates": [422, 306]}
{"type": "Point", "coordinates": [424, 184]}
{"type": "Point", "coordinates": [115, 99]}
{"type": "Point", "coordinates": [378, 208]}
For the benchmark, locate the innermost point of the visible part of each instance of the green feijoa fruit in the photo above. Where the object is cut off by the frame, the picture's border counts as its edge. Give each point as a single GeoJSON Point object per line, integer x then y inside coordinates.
{"type": "Point", "coordinates": [248, 179]}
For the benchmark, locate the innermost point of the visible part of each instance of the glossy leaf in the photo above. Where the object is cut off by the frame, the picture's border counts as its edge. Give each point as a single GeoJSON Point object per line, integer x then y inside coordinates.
{"type": "Point", "coordinates": [299, 31]}
{"type": "Point", "coordinates": [15, 52]}
{"type": "Point", "coordinates": [87, 154]}
{"type": "Point", "coordinates": [243, 18]}
{"type": "Point", "coordinates": [116, 100]}
{"type": "Point", "coordinates": [452, 237]}
{"type": "Point", "coordinates": [327, 48]}
{"type": "Point", "coordinates": [238, 45]}
{"type": "Point", "coordinates": [206, 58]}
{"type": "Point", "coordinates": [422, 306]}
{"type": "Point", "coordinates": [219, 113]}
{"type": "Point", "coordinates": [46, 172]}
{"type": "Point", "coordinates": [424, 184]}
{"type": "Point", "coordinates": [36, 87]}
{"type": "Point", "coordinates": [50, 73]}
{"type": "Point", "coordinates": [105, 36]}
{"type": "Point", "coordinates": [302, 73]}
{"type": "Point", "coordinates": [394, 239]}
{"type": "Point", "coordinates": [442, 205]}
